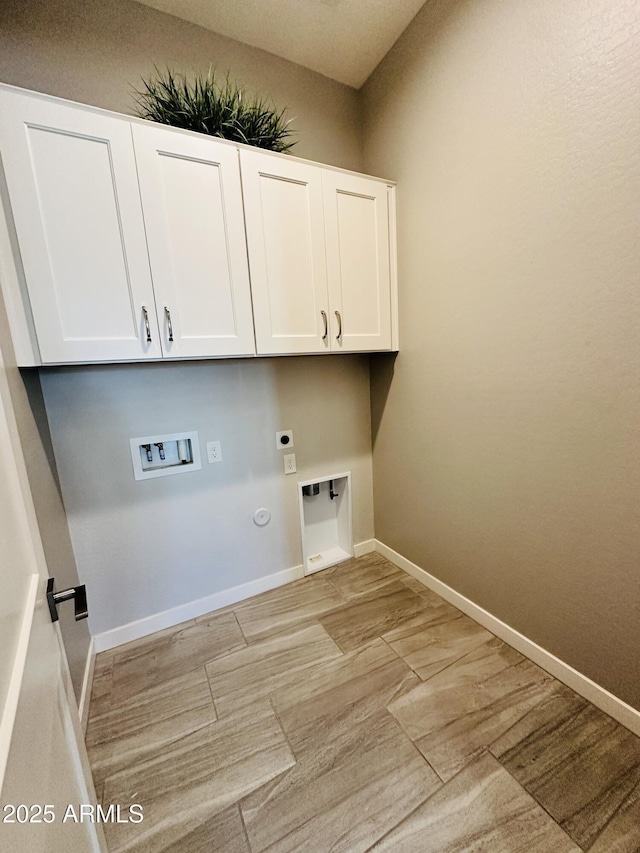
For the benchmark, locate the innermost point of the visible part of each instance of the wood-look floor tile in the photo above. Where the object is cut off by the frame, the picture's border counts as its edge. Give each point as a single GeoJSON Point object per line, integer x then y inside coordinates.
{"type": "Point", "coordinates": [142, 726]}
{"type": "Point", "coordinates": [344, 797]}
{"type": "Point", "coordinates": [286, 606]}
{"type": "Point", "coordinates": [368, 616]}
{"type": "Point", "coordinates": [104, 660]}
{"type": "Point", "coordinates": [436, 638]}
{"type": "Point", "coordinates": [135, 647]}
{"type": "Point", "coordinates": [196, 778]}
{"type": "Point", "coordinates": [248, 676]}
{"type": "Point", "coordinates": [100, 699]}
{"type": "Point", "coordinates": [369, 559]}
{"type": "Point", "coordinates": [223, 833]}
{"type": "Point", "coordinates": [577, 762]}
{"type": "Point", "coordinates": [355, 767]}
{"type": "Point", "coordinates": [312, 749]}
{"type": "Point", "coordinates": [622, 834]}
{"type": "Point", "coordinates": [420, 588]}
{"type": "Point", "coordinates": [362, 575]}
{"type": "Point", "coordinates": [142, 665]}
{"type": "Point", "coordinates": [306, 706]}
{"type": "Point", "coordinates": [455, 715]}
{"type": "Point", "coordinates": [482, 808]}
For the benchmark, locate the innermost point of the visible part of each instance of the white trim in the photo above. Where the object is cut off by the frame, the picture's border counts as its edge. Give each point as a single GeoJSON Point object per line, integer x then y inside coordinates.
{"type": "Point", "coordinates": [200, 607]}
{"type": "Point", "coordinates": [366, 547]}
{"type": "Point", "coordinates": [344, 550]}
{"type": "Point", "coordinates": [601, 698]}
{"type": "Point", "coordinates": [87, 681]}
{"type": "Point", "coordinates": [393, 269]}
{"type": "Point", "coordinates": [15, 682]}
{"type": "Point", "coordinates": [323, 479]}
{"type": "Point", "coordinates": [173, 465]}
{"type": "Point", "coordinates": [193, 609]}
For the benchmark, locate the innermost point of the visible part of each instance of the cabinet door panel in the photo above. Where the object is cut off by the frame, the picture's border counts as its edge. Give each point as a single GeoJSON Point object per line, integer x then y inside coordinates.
{"type": "Point", "coordinates": [357, 228]}
{"type": "Point", "coordinates": [285, 232]}
{"type": "Point", "coordinates": [192, 203]}
{"type": "Point", "coordinates": [73, 190]}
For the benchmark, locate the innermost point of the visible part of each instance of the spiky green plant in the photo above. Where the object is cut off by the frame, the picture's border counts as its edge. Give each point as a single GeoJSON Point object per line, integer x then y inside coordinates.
{"type": "Point", "coordinates": [207, 106]}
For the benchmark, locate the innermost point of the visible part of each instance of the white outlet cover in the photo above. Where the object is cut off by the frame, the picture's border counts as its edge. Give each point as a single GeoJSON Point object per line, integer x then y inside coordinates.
{"type": "Point", "coordinates": [287, 445]}
{"type": "Point", "coordinates": [214, 451]}
{"type": "Point", "coordinates": [261, 516]}
{"type": "Point", "coordinates": [289, 463]}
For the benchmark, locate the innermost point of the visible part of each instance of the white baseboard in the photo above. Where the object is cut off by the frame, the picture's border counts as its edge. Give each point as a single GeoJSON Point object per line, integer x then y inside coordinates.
{"type": "Point", "coordinates": [193, 609]}
{"type": "Point", "coordinates": [87, 681]}
{"type": "Point", "coordinates": [601, 698]}
{"type": "Point", "coordinates": [366, 547]}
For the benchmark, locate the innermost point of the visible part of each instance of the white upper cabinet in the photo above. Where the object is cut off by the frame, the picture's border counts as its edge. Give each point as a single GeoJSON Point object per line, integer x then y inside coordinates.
{"type": "Point", "coordinates": [71, 177]}
{"type": "Point", "coordinates": [285, 239]}
{"type": "Point", "coordinates": [319, 257]}
{"type": "Point", "coordinates": [140, 241]}
{"type": "Point", "coordinates": [356, 215]}
{"type": "Point", "coordinates": [192, 204]}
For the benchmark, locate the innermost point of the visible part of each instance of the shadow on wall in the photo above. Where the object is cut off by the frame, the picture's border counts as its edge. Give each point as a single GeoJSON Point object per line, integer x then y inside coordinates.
{"type": "Point", "coordinates": [382, 368]}
{"type": "Point", "coordinates": [31, 380]}
{"type": "Point", "coordinates": [145, 547]}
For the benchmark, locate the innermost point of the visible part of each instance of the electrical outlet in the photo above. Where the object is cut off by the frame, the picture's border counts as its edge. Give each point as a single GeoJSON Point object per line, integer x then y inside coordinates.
{"type": "Point", "coordinates": [289, 463]}
{"type": "Point", "coordinates": [284, 439]}
{"type": "Point", "coordinates": [214, 451]}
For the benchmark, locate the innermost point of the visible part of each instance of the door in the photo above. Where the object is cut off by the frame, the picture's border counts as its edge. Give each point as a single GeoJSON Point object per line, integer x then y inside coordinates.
{"type": "Point", "coordinates": [73, 188]}
{"type": "Point", "coordinates": [43, 765]}
{"type": "Point", "coordinates": [356, 214]}
{"type": "Point", "coordinates": [192, 205]}
{"type": "Point", "coordinates": [285, 238]}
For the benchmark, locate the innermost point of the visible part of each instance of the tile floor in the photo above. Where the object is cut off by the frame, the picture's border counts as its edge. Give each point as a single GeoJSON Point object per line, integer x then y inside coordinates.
{"type": "Point", "coordinates": [353, 710]}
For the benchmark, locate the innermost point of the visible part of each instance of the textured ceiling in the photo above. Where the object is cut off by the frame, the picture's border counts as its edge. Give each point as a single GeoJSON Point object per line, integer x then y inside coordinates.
{"type": "Point", "coordinates": [342, 39]}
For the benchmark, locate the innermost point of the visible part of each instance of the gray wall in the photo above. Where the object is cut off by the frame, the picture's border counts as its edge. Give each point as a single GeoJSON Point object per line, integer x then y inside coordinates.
{"type": "Point", "coordinates": [95, 52]}
{"type": "Point", "coordinates": [98, 52]}
{"type": "Point", "coordinates": [505, 439]}
{"type": "Point", "coordinates": [144, 547]}
{"type": "Point", "coordinates": [506, 433]}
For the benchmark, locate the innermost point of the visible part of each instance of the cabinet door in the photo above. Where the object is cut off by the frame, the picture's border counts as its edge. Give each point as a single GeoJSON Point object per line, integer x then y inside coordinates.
{"type": "Point", "coordinates": [72, 184]}
{"type": "Point", "coordinates": [357, 233]}
{"type": "Point", "coordinates": [285, 235]}
{"type": "Point", "coordinates": [192, 204]}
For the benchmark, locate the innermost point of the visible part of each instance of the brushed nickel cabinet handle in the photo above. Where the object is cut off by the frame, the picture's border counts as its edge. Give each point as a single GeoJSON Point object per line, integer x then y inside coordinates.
{"type": "Point", "coordinates": [145, 314]}
{"type": "Point", "coordinates": [169, 324]}
{"type": "Point", "coordinates": [339, 335]}
{"type": "Point", "coordinates": [326, 325]}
